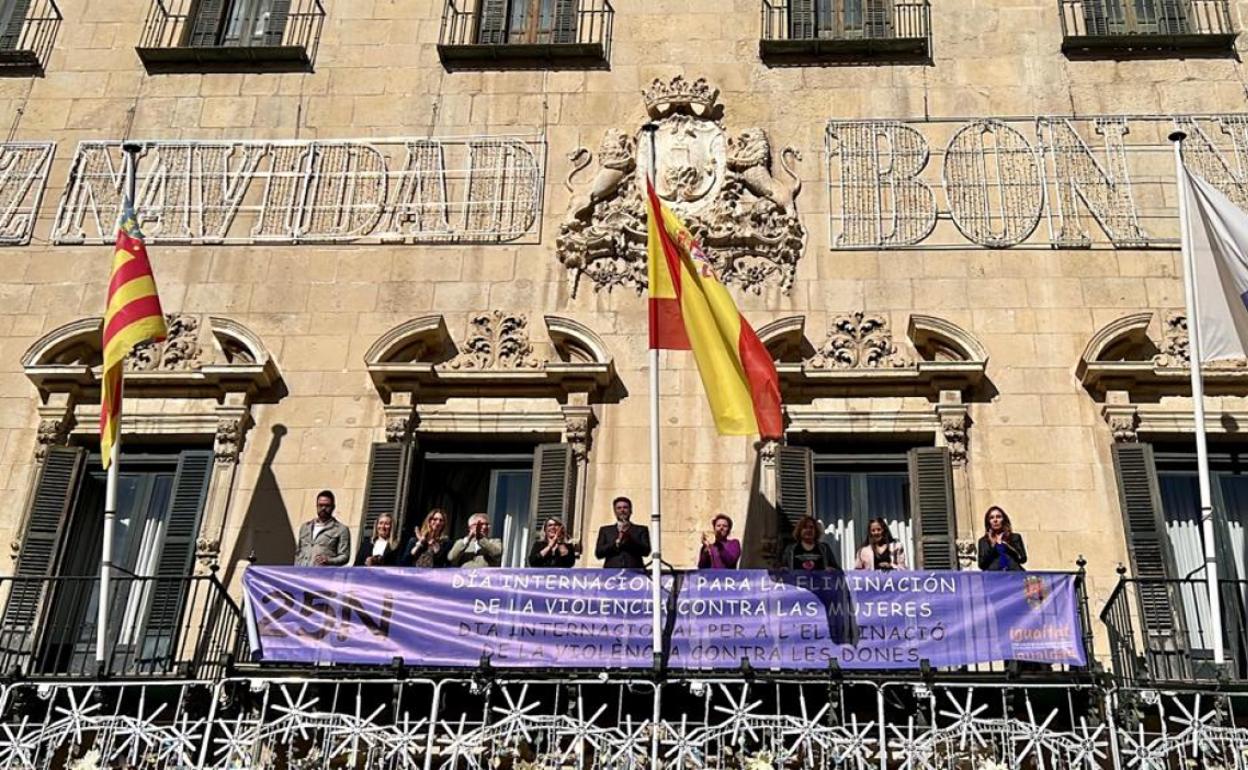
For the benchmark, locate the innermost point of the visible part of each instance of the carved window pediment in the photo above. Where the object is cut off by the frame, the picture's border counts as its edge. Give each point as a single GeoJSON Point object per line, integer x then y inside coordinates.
{"type": "Point", "coordinates": [496, 352]}
{"type": "Point", "coordinates": [203, 355]}
{"type": "Point", "coordinates": [1146, 354]}
{"type": "Point", "coordinates": [859, 351]}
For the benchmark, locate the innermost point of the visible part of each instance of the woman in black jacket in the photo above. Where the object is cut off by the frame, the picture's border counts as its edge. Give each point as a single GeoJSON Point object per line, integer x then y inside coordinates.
{"type": "Point", "coordinates": [553, 550]}
{"type": "Point", "coordinates": [380, 550]}
{"type": "Point", "coordinates": [1001, 549]}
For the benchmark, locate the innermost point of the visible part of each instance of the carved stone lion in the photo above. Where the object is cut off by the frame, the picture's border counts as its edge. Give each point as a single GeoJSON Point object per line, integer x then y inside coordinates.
{"type": "Point", "coordinates": [749, 155]}
{"type": "Point", "coordinates": [616, 160]}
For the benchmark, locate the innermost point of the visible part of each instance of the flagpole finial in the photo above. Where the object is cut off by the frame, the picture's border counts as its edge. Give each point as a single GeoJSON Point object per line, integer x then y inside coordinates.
{"type": "Point", "coordinates": [1177, 135]}
{"type": "Point", "coordinates": [650, 127]}
{"type": "Point", "coordinates": [131, 147]}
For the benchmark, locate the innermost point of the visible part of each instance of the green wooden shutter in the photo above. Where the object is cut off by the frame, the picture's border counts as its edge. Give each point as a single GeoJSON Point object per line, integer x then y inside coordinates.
{"type": "Point", "coordinates": [932, 508]}
{"type": "Point", "coordinates": [1104, 17]}
{"type": "Point", "coordinates": [177, 556]}
{"type": "Point", "coordinates": [554, 484]}
{"type": "Point", "coordinates": [12, 19]}
{"type": "Point", "coordinates": [563, 30]}
{"type": "Point", "coordinates": [802, 19]}
{"type": "Point", "coordinates": [877, 18]}
{"type": "Point", "coordinates": [492, 22]}
{"type": "Point", "coordinates": [41, 544]}
{"type": "Point", "coordinates": [795, 484]}
{"type": "Point", "coordinates": [385, 491]}
{"type": "Point", "coordinates": [206, 19]}
{"type": "Point", "coordinates": [275, 23]}
{"type": "Point", "coordinates": [1140, 497]}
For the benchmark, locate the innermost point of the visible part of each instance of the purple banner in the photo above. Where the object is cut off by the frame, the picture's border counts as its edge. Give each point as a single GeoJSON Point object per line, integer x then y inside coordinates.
{"type": "Point", "coordinates": [582, 618]}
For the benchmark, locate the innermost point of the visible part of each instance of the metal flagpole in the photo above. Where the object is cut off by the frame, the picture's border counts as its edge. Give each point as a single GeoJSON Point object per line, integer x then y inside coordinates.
{"type": "Point", "coordinates": [114, 469]}
{"type": "Point", "coordinates": [656, 497]}
{"type": "Point", "coordinates": [1198, 408]}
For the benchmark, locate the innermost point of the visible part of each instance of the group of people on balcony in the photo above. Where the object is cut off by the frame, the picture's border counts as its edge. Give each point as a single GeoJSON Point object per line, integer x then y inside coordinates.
{"type": "Point", "coordinates": [325, 541]}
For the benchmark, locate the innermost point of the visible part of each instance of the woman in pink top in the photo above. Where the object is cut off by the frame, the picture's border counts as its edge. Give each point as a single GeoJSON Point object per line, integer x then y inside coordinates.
{"type": "Point", "coordinates": [718, 552]}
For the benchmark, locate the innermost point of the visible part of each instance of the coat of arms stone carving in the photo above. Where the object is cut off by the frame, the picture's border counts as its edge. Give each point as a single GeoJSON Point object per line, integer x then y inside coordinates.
{"type": "Point", "coordinates": [723, 187]}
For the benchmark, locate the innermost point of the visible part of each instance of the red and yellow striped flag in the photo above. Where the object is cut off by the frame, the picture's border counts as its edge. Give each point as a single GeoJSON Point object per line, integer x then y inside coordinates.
{"type": "Point", "coordinates": [691, 310]}
{"type": "Point", "coordinates": [133, 316]}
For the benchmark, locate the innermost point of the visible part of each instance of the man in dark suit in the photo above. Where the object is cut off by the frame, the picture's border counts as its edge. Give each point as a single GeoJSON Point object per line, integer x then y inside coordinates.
{"type": "Point", "coordinates": [623, 544]}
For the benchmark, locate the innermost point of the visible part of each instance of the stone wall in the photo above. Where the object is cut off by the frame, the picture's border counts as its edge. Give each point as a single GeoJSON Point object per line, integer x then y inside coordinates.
{"type": "Point", "coordinates": [1040, 447]}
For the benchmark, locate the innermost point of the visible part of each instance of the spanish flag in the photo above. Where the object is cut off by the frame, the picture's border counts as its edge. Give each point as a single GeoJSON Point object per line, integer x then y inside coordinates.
{"type": "Point", "coordinates": [134, 316]}
{"type": "Point", "coordinates": [691, 310]}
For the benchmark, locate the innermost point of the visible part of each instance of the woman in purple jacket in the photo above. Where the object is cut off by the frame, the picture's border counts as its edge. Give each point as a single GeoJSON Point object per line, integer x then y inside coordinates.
{"type": "Point", "coordinates": [718, 552]}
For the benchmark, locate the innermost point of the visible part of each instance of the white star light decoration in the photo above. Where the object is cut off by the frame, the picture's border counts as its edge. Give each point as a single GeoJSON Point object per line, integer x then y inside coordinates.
{"type": "Point", "coordinates": [461, 742]}
{"type": "Point", "coordinates": [19, 745]}
{"type": "Point", "coordinates": [1198, 728]}
{"type": "Point", "coordinates": [966, 722]}
{"type": "Point", "coordinates": [1035, 735]}
{"type": "Point", "coordinates": [582, 732]}
{"type": "Point", "coordinates": [914, 753]}
{"type": "Point", "coordinates": [740, 713]}
{"type": "Point", "coordinates": [516, 716]}
{"type": "Point", "coordinates": [810, 733]}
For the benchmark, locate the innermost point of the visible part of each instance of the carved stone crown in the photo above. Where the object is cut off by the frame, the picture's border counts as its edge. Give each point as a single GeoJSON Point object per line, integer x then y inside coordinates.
{"type": "Point", "coordinates": [697, 96]}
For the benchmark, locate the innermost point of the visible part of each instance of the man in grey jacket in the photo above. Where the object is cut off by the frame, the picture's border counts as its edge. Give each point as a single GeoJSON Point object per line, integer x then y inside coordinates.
{"type": "Point", "coordinates": [324, 541]}
{"type": "Point", "coordinates": [477, 549]}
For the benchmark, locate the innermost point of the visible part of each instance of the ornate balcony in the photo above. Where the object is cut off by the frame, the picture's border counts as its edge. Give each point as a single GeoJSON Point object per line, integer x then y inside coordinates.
{"type": "Point", "coordinates": [27, 32]}
{"type": "Point", "coordinates": [1117, 27]}
{"type": "Point", "coordinates": [224, 35]}
{"type": "Point", "coordinates": [526, 34]}
{"type": "Point", "coordinates": [160, 627]}
{"type": "Point", "coordinates": [845, 31]}
{"type": "Point", "coordinates": [1159, 630]}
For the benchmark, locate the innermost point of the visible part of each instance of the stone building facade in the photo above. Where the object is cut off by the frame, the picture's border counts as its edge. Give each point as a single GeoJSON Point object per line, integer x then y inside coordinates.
{"type": "Point", "coordinates": [398, 257]}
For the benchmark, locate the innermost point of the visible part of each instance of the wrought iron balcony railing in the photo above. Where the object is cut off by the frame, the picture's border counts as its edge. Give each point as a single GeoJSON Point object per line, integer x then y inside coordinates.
{"type": "Point", "coordinates": [1090, 27]}
{"type": "Point", "coordinates": [797, 31]}
{"type": "Point", "coordinates": [1158, 630]}
{"type": "Point", "coordinates": [159, 627]}
{"type": "Point", "coordinates": [513, 34]}
{"type": "Point", "coordinates": [195, 35]}
{"type": "Point", "coordinates": [27, 32]}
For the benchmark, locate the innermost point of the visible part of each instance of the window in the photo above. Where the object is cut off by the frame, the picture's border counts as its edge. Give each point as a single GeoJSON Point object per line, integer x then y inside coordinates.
{"type": "Point", "coordinates": [1135, 17]}
{"type": "Point", "coordinates": [520, 22]}
{"type": "Point", "coordinates": [840, 19]}
{"type": "Point", "coordinates": [911, 489]}
{"type": "Point", "coordinates": [518, 484]}
{"type": "Point", "coordinates": [239, 22]}
{"type": "Point", "coordinates": [12, 19]}
{"type": "Point", "coordinates": [851, 490]}
{"type": "Point", "coordinates": [1180, 502]}
{"type": "Point", "coordinates": [499, 485]}
{"type": "Point", "coordinates": [160, 500]}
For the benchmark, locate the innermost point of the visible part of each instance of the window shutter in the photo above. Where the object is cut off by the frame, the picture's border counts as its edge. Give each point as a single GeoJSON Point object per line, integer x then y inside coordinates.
{"type": "Point", "coordinates": [878, 21]}
{"type": "Point", "coordinates": [177, 553]}
{"type": "Point", "coordinates": [205, 27]}
{"type": "Point", "coordinates": [802, 19]}
{"type": "Point", "coordinates": [386, 489]}
{"type": "Point", "coordinates": [41, 543]}
{"type": "Point", "coordinates": [1104, 17]}
{"type": "Point", "coordinates": [1140, 497]}
{"type": "Point", "coordinates": [554, 478]}
{"type": "Point", "coordinates": [1173, 19]}
{"type": "Point", "coordinates": [13, 18]}
{"type": "Point", "coordinates": [275, 23]}
{"type": "Point", "coordinates": [931, 508]}
{"type": "Point", "coordinates": [492, 22]}
{"type": "Point", "coordinates": [795, 483]}
{"type": "Point", "coordinates": [566, 18]}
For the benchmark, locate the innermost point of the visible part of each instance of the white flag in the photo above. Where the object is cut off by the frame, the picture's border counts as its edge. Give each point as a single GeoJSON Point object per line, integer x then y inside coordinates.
{"type": "Point", "coordinates": [1218, 233]}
